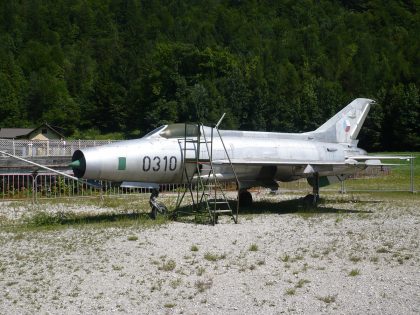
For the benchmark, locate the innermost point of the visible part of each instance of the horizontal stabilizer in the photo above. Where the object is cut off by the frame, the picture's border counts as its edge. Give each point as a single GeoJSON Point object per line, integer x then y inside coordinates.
{"type": "Point", "coordinates": [379, 157]}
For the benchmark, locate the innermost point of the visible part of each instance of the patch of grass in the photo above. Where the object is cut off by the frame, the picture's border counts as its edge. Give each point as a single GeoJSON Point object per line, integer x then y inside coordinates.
{"type": "Point", "coordinates": [354, 272]}
{"type": "Point", "coordinates": [175, 283]}
{"type": "Point", "coordinates": [203, 285]}
{"type": "Point", "coordinates": [285, 258]}
{"type": "Point", "coordinates": [382, 250]}
{"type": "Point", "coordinates": [42, 218]}
{"type": "Point", "coordinates": [168, 265]}
{"type": "Point", "coordinates": [253, 248]}
{"type": "Point", "coordinates": [169, 305]}
{"type": "Point", "coordinates": [338, 220]}
{"type": "Point", "coordinates": [194, 248]}
{"type": "Point", "coordinates": [327, 299]}
{"type": "Point", "coordinates": [290, 291]}
{"type": "Point", "coordinates": [355, 259]}
{"type": "Point", "coordinates": [157, 286]}
{"type": "Point", "coordinates": [132, 238]}
{"type": "Point", "coordinates": [10, 283]}
{"type": "Point", "coordinates": [200, 271]}
{"type": "Point", "coordinates": [301, 283]}
{"type": "Point", "coordinates": [37, 219]}
{"type": "Point", "coordinates": [18, 237]}
{"type": "Point", "coordinates": [117, 268]}
{"type": "Point", "coordinates": [213, 257]}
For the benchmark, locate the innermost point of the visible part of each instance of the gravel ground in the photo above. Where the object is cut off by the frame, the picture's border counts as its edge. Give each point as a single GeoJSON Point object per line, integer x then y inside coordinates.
{"type": "Point", "coordinates": [349, 258]}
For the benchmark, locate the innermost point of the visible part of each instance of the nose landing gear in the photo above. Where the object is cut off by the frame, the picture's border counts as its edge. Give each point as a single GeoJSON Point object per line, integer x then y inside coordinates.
{"type": "Point", "coordinates": [157, 207]}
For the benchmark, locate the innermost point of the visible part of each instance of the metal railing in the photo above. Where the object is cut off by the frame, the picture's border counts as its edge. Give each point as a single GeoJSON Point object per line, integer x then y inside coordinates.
{"type": "Point", "coordinates": [21, 186]}
{"type": "Point", "coordinates": [32, 148]}
{"type": "Point", "coordinates": [27, 186]}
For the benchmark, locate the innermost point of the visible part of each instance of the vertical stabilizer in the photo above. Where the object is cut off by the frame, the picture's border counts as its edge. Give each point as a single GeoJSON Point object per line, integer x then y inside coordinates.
{"type": "Point", "coordinates": [344, 127]}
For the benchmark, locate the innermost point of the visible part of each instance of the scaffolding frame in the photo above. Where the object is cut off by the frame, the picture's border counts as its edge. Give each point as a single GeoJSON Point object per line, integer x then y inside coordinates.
{"type": "Point", "coordinates": [203, 186]}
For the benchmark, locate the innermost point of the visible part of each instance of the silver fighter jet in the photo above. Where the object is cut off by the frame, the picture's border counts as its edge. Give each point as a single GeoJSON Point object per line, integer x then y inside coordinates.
{"type": "Point", "coordinates": [323, 156]}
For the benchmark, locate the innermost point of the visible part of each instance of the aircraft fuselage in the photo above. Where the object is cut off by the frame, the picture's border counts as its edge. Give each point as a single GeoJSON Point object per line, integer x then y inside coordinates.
{"type": "Point", "coordinates": [161, 160]}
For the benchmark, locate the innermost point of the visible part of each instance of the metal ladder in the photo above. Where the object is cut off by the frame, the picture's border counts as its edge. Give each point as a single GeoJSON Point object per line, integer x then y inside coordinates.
{"type": "Point", "coordinates": [209, 197]}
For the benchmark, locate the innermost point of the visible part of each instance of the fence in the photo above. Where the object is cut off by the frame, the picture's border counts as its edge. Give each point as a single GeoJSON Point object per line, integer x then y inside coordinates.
{"type": "Point", "coordinates": [20, 186]}
{"type": "Point", "coordinates": [32, 148]}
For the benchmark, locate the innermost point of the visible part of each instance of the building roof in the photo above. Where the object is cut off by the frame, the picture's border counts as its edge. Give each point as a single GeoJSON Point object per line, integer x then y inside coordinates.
{"type": "Point", "coordinates": [11, 133]}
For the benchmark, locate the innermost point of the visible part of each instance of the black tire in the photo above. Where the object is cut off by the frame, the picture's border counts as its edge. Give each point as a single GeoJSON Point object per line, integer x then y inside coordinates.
{"type": "Point", "coordinates": [153, 213]}
{"type": "Point", "coordinates": [311, 200]}
{"type": "Point", "coordinates": [216, 219]}
{"type": "Point", "coordinates": [245, 198]}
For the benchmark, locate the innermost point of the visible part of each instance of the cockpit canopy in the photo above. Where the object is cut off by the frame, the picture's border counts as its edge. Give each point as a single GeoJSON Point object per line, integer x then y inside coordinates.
{"type": "Point", "coordinates": [174, 131]}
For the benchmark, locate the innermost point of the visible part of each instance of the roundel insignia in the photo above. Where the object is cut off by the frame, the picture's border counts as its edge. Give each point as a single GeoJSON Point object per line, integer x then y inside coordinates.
{"type": "Point", "coordinates": [346, 125]}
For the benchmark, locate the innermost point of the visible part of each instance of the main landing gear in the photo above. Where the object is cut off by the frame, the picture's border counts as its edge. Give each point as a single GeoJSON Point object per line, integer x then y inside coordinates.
{"type": "Point", "coordinates": [157, 207]}
{"type": "Point", "coordinates": [314, 197]}
{"type": "Point", "coordinates": [245, 198]}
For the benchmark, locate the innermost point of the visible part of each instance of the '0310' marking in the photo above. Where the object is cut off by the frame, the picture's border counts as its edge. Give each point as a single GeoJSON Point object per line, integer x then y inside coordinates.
{"type": "Point", "coordinates": [157, 163]}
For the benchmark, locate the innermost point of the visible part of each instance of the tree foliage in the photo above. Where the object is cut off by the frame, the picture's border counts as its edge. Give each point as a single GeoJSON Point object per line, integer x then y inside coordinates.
{"type": "Point", "coordinates": [127, 66]}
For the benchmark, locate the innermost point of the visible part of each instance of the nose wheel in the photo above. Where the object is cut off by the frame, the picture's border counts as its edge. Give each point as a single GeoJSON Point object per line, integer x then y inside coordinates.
{"type": "Point", "coordinates": [156, 206]}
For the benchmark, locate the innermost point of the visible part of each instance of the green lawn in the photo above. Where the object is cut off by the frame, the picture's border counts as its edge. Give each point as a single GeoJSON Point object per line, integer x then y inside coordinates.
{"type": "Point", "coordinates": [391, 178]}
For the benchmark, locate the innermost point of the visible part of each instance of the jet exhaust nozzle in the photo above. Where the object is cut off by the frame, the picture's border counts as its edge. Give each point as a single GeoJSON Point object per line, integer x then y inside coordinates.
{"type": "Point", "coordinates": [78, 164]}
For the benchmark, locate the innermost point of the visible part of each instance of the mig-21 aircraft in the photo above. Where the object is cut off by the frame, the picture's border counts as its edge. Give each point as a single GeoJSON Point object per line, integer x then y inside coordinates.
{"type": "Point", "coordinates": [323, 156]}
{"type": "Point", "coordinates": [169, 153]}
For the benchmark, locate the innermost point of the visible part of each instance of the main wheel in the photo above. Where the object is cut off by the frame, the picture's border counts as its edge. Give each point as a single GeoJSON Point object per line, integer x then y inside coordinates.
{"type": "Point", "coordinates": [153, 213]}
{"type": "Point", "coordinates": [245, 198]}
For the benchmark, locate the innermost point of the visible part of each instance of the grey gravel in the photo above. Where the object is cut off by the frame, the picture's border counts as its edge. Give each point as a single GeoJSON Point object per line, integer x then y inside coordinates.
{"type": "Point", "coordinates": [354, 258]}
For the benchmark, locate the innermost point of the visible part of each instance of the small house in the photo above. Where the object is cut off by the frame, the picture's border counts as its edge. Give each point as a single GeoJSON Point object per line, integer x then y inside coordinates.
{"type": "Point", "coordinates": [43, 132]}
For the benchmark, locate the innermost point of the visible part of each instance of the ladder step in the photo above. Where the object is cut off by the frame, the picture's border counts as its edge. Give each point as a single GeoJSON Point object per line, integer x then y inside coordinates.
{"type": "Point", "coordinates": [195, 160]}
{"type": "Point", "coordinates": [221, 211]}
{"type": "Point", "coordinates": [196, 141]}
{"type": "Point", "coordinates": [192, 160]}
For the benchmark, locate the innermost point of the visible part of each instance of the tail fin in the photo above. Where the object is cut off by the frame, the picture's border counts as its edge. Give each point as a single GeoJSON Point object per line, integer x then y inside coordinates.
{"type": "Point", "coordinates": [344, 126]}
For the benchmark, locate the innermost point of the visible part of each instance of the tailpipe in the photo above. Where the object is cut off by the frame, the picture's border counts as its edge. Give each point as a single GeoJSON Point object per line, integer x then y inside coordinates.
{"type": "Point", "coordinates": [78, 164]}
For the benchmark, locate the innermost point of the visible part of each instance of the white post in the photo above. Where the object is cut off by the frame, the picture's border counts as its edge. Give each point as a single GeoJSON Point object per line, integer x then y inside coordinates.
{"type": "Point", "coordinates": [412, 174]}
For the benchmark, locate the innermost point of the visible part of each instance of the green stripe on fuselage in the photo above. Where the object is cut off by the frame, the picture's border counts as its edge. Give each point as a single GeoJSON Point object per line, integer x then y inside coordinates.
{"type": "Point", "coordinates": [122, 163]}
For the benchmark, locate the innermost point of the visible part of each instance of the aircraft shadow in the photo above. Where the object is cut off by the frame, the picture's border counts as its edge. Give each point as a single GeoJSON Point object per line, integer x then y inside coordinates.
{"type": "Point", "coordinates": [102, 218]}
{"type": "Point", "coordinates": [187, 214]}
{"type": "Point", "coordinates": [293, 206]}
{"type": "Point", "coordinates": [299, 205]}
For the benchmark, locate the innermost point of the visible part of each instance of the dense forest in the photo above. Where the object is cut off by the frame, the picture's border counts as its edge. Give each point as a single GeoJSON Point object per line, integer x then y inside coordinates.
{"type": "Point", "coordinates": [94, 67]}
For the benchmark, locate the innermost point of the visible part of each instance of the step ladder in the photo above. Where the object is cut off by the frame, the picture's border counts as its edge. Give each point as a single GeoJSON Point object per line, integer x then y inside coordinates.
{"type": "Point", "coordinates": [206, 192]}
